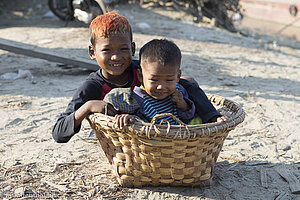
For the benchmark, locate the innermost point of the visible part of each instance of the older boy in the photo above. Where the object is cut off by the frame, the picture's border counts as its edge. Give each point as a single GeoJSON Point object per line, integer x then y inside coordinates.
{"type": "Point", "coordinates": [112, 47]}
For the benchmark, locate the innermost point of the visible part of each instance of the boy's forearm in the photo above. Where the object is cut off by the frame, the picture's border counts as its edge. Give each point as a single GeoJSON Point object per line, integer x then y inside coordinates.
{"type": "Point", "coordinates": [69, 124]}
{"type": "Point", "coordinates": [188, 114]}
{"type": "Point", "coordinates": [63, 129]}
{"type": "Point", "coordinates": [204, 107]}
{"type": "Point", "coordinates": [183, 105]}
{"type": "Point", "coordinates": [80, 115]}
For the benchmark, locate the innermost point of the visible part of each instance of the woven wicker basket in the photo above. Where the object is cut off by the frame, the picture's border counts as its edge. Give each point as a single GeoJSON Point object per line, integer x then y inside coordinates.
{"type": "Point", "coordinates": [179, 155]}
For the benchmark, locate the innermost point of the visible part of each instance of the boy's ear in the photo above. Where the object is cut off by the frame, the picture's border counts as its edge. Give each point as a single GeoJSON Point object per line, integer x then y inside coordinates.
{"type": "Point", "coordinates": [92, 52]}
{"type": "Point", "coordinates": [133, 48]}
{"type": "Point", "coordinates": [140, 75]}
{"type": "Point", "coordinates": [178, 75]}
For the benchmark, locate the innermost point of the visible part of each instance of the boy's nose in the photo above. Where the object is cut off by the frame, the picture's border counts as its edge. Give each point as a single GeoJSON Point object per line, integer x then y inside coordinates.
{"type": "Point", "coordinates": [160, 86]}
{"type": "Point", "coordinates": [115, 56]}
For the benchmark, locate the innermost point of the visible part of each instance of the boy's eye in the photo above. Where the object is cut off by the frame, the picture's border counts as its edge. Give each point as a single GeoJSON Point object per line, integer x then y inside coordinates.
{"type": "Point", "coordinates": [170, 80]}
{"type": "Point", "coordinates": [105, 50]}
{"type": "Point", "coordinates": [125, 49]}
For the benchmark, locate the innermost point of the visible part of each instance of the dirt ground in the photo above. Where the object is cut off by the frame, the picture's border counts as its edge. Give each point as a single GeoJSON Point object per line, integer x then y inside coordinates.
{"type": "Point", "coordinates": [258, 72]}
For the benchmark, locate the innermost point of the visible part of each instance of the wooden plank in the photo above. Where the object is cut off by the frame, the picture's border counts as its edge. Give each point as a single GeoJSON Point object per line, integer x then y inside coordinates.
{"type": "Point", "coordinates": [263, 177]}
{"type": "Point", "coordinates": [46, 54]}
{"type": "Point", "coordinates": [282, 196]}
{"type": "Point", "coordinates": [288, 176]}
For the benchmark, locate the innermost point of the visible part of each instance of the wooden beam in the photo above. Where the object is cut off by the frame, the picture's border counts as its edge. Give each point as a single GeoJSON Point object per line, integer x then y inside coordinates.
{"type": "Point", "coordinates": [46, 54]}
{"type": "Point", "coordinates": [289, 176]}
{"type": "Point", "coordinates": [263, 177]}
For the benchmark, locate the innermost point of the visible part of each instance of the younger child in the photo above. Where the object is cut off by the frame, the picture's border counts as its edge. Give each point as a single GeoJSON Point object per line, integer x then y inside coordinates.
{"type": "Point", "coordinates": [112, 47]}
{"type": "Point", "coordinates": [160, 91]}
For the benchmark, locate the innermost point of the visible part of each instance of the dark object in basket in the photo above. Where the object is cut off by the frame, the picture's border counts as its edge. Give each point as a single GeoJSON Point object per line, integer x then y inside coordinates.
{"type": "Point", "coordinates": [179, 155]}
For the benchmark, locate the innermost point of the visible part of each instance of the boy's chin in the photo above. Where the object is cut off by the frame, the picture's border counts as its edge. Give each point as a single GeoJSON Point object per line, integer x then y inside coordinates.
{"type": "Point", "coordinates": [117, 72]}
{"type": "Point", "coordinates": [159, 97]}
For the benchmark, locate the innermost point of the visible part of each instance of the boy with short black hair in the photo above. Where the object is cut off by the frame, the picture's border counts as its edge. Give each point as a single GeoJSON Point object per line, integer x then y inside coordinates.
{"type": "Point", "coordinates": [160, 91]}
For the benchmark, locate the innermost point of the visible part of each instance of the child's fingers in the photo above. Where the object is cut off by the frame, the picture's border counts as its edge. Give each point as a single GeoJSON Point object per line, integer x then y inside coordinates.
{"type": "Point", "coordinates": [175, 97]}
{"type": "Point", "coordinates": [123, 120]}
{"type": "Point", "coordinates": [222, 119]}
{"type": "Point", "coordinates": [117, 120]}
{"type": "Point", "coordinates": [177, 94]}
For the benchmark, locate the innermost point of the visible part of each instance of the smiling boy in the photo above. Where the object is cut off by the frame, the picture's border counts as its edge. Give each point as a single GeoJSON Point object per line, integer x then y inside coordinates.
{"type": "Point", "coordinates": [112, 47]}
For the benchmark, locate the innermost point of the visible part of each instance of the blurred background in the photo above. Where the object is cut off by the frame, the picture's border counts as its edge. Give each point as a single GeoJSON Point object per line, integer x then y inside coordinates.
{"type": "Point", "coordinates": [279, 18]}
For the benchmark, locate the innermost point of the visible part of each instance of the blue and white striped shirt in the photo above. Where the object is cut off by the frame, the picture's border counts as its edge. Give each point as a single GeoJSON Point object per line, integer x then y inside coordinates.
{"type": "Point", "coordinates": [149, 106]}
{"type": "Point", "coordinates": [154, 106]}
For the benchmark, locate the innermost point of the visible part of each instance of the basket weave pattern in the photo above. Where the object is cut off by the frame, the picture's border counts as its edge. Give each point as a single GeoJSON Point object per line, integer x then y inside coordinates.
{"type": "Point", "coordinates": [179, 155]}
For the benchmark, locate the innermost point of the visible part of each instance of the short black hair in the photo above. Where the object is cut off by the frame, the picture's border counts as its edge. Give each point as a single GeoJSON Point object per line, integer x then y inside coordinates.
{"type": "Point", "coordinates": [160, 50]}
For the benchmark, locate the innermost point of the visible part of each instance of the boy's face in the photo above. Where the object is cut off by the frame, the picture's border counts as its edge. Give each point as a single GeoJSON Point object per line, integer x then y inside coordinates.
{"type": "Point", "coordinates": [113, 54]}
{"type": "Point", "coordinates": [159, 80]}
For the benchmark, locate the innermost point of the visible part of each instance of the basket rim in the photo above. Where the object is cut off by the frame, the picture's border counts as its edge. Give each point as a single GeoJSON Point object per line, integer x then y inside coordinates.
{"type": "Point", "coordinates": [202, 129]}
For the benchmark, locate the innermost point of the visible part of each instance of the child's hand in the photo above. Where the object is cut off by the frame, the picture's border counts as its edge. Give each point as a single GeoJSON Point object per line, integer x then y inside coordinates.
{"type": "Point", "coordinates": [222, 119]}
{"type": "Point", "coordinates": [98, 106]}
{"type": "Point", "coordinates": [123, 120]}
{"type": "Point", "coordinates": [218, 119]}
{"type": "Point", "coordinates": [93, 106]}
{"type": "Point", "coordinates": [181, 104]}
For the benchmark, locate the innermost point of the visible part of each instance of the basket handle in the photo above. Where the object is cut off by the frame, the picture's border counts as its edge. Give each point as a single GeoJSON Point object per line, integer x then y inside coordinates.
{"type": "Point", "coordinates": [168, 115]}
{"type": "Point", "coordinates": [178, 134]}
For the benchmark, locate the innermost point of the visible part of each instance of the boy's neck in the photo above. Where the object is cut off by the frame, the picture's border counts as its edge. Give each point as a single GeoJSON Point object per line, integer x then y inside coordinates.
{"type": "Point", "coordinates": [120, 80]}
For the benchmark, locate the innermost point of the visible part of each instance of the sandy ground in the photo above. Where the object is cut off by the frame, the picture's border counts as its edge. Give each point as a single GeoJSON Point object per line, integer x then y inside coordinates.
{"type": "Point", "coordinates": [255, 72]}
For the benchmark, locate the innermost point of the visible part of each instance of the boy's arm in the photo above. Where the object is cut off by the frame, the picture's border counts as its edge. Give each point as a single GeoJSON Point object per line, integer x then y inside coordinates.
{"type": "Point", "coordinates": [92, 106]}
{"type": "Point", "coordinates": [181, 103]}
{"type": "Point", "coordinates": [63, 129]}
{"type": "Point", "coordinates": [204, 107]}
{"type": "Point", "coordinates": [186, 108]}
{"type": "Point", "coordinates": [66, 125]}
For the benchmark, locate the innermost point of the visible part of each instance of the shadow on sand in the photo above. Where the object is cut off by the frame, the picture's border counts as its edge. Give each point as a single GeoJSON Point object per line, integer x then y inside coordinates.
{"type": "Point", "coordinates": [239, 180]}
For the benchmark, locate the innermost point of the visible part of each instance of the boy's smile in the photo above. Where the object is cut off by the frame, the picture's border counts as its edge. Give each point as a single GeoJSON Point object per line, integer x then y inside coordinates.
{"type": "Point", "coordinates": [113, 55]}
